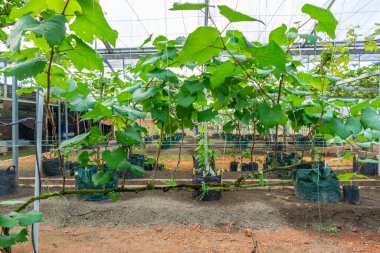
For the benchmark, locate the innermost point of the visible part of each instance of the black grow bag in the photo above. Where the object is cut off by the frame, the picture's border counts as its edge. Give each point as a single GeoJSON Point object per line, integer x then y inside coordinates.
{"type": "Point", "coordinates": [367, 169]}
{"type": "Point", "coordinates": [50, 167]}
{"type": "Point", "coordinates": [234, 166]}
{"type": "Point", "coordinates": [208, 195]}
{"type": "Point", "coordinates": [7, 181]}
{"type": "Point", "coordinates": [251, 166]}
{"type": "Point", "coordinates": [351, 194]}
{"type": "Point", "coordinates": [138, 160]}
{"type": "Point", "coordinates": [83, 180]}
{"type": "Point", "coordinates": [316, 184]}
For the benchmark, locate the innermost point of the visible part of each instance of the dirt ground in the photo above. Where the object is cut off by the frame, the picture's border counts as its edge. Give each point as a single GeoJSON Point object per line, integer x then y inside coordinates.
{"type": "Point", "coordinates": [174, 222]}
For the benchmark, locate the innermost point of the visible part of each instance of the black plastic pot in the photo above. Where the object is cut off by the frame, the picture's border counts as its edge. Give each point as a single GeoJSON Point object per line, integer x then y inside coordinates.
{"type": "Point", "coordinates": [7, 181]}
{"type": "Point", "coordinates": [208, 195]}
{"type": "Point", "coordinates": [50, 167]}
{"type": "Point", "coordinates": [251, 166]}
{"type": "Point", "coordinates": [148, 167]}
{"type": "Point", "coordinates": [155, 137]}
{"type": "Point", "coordinates": [351, 194]}
{"type": "Point", "coordinates": [234, 166]}
{"type": "Point", "coordinates": [368, 169]}
{"type": "Point", "coordinates": [216, 136]}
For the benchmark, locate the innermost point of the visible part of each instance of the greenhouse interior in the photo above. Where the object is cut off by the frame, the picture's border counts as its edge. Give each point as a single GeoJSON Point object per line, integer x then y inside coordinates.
{"type": "Point", "coordinates": [199, 126]}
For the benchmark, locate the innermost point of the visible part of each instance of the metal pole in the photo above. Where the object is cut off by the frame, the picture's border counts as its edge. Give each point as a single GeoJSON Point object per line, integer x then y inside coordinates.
{"type": "Point", "coordinates": [66, 122]}
{"type": "Point", "coordinates": [378, 145]}
{"type": "Point", "coordinates": [15, 129]}
{"type": "Point", "coordinates": [205, 90]}
{"type": "Point", "coordinates": [39, 109]}
{"type": "Point", "coordinates": [59, 123]}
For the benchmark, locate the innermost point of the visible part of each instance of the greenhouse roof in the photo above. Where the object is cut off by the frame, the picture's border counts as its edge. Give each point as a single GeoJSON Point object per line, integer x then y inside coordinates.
{"type": "Point", "coordinates": [136, 20]}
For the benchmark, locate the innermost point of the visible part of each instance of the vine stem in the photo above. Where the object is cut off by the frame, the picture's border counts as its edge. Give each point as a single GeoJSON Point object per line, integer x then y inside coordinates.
{"type": "Point", "coordinates": [278, 102]}
{"type": "Point", "coordinates": [149, 187]}
{"type": "Point", "coordinates": [179, 151]}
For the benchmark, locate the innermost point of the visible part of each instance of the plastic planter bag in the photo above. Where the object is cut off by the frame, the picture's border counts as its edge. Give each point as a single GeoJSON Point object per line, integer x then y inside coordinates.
{"type": "Point", "coordinates": [316, 184]}
{"type": "Point", "coordinates": [209, 195]}
{"type": "Point", "coordinates": [83, 180]}
{"type": "Point", "coordinates": [7, 181]}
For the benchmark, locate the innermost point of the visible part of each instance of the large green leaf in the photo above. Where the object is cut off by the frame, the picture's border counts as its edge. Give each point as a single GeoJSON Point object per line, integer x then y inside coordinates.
{"type": "Point", "coordinates": [72, 7]}
{"type": "Point", "coordinates": [278, 35]}
{"type": "Point", "coordinates": [31, 7]}
{"type": "Point", "coordinates": [129, 136]}
{"type": "Point", "coordinates": [163, 74]}
{"type": "Point", "coordinates": [222, 72]}
{"type": "Point", "coordinates": [338, 128]}
{"type": "Point", "coordinates": [194, 86]}
{"type": "Point", "coordinates": [115, 157]}
{"type": "Point", "coordinates": [16, 237]}
{"type": "Point", "coordinates": [229, 126]}
{"type": "Point", "coordinates": [99, 111]}
{"type": "Point", "coordinates": [206, 115]}
{"type": "Point", "coordinates": [81, 55]}
{"type": "Point", "coordinates": [124, 166]}
{"type": "Point", "coordinates": [22, 219]}
{"type": "Point", "coordinates": [269, 117]}
{"type": "Point", "coordinates": [101, 177]}
{"type": "Point", "coordinates": [185, 100]}
{"type": "Point", "coordinates": [3, 36]}
{"type": "Point", "coordinates": [92, 23]}
{"type": "Point", "coordinates": [79, 103]}
{"type": "Point", "coordinates": [356, 109]}
{"type": "Point", "coordinates": [353, 125]}
{"type": "Point", "coordinates": [370, 119]}
{"type": "Point", "coordinates": [235, 16]}
{"type": "Point", "coordinates": [326, 20]}
{"type": "Point", "coordinates": [136, 170]}
{"type": "Point", "coordinates": [52, 29]}
{"type": "Point", "coordinates": [84, 158]}
{"type": "Point", "coordinates": [25, 69]}
{"type": "Point", "coordinates": [201, 46]}
{"type": "Point", "coordinates": [270, 55]}
{"type": "Point", "coordinates": [188, 6]}
{"type": "Point", "coordinates": [141, 93]}
{"type": "Point", "coordinates": [77, 140]}
{"type": "Point", "coordinates": [130, 113]}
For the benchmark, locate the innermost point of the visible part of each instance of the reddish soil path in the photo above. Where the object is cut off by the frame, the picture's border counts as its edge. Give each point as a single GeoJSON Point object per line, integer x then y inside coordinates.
{"type": "Point", "coordinates": [198, 239]}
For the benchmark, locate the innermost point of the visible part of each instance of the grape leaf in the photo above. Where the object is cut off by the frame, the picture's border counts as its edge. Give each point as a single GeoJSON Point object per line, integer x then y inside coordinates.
{"type": "Point", "coordinates": [188, 6]}
{"type": "Point", "coordinates": [52, 29]}
{"type": "Point", "coordinates": [326, 20]}
{"type": "Point", "coordinates": [92, 23]}
{"type": "Point", "coordinates": [235, 16]}
{"type": "Point", "coordinates": [25, 69]}
{"type": "Point", "coordinates": [201, 46]}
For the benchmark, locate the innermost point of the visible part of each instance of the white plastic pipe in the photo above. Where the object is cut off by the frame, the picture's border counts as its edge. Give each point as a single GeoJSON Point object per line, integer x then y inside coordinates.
{"type": "Point", "coordinates": [36, 204]}
{"type": "Point", "coordinates": [15, 127]}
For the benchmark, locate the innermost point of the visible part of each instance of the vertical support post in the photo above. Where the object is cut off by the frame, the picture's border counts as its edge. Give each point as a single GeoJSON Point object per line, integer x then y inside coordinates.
{"type": "Point", "coordinates": [378, 146]}
{"type": "Point", "coordinates": [36, 204]}
{"type": "Point", "coordinates": [205, 90]}
{"type": "Point", "coordinates": [66, 122]}
{"type": "Point", "coordinates": [15, 129]}
{"type": "Point", "coordinates": [59, 123]}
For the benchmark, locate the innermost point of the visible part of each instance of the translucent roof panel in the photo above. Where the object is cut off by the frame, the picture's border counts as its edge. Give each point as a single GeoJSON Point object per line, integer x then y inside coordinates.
{"type": "Point", "coordinates": [135, 20]}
